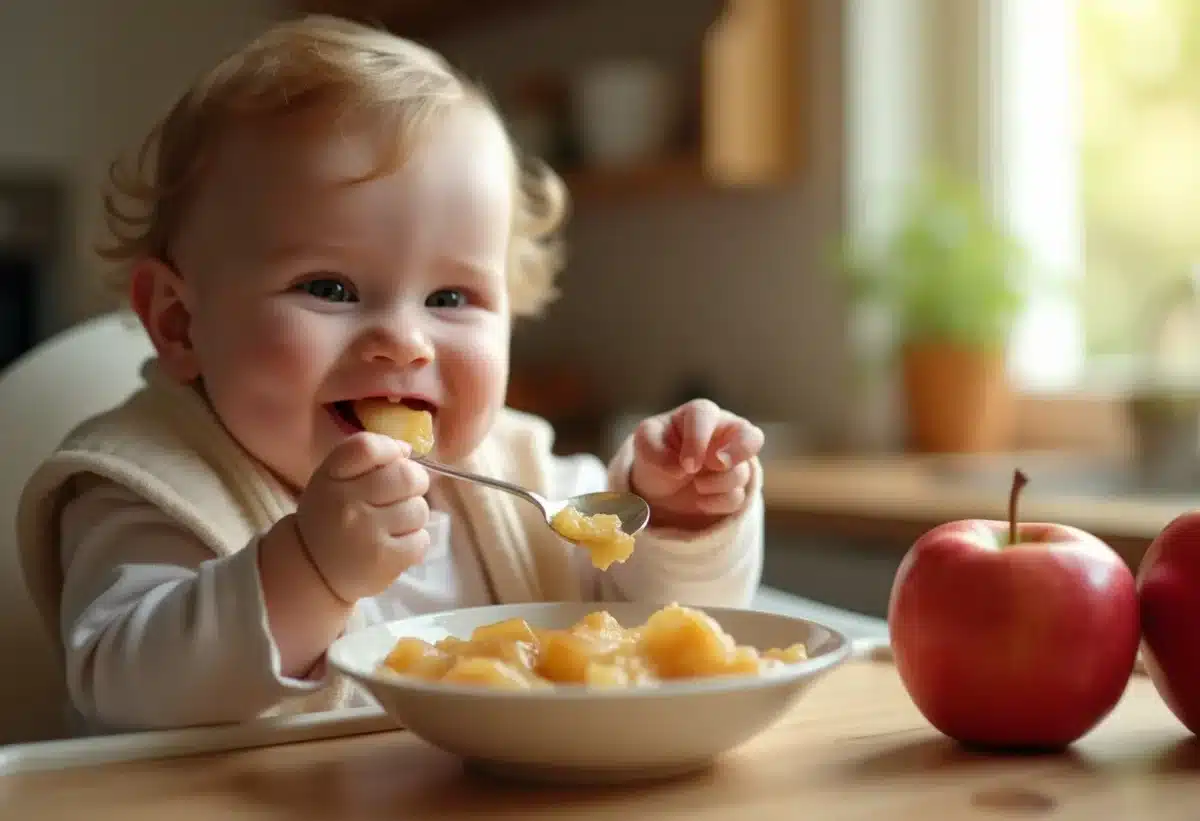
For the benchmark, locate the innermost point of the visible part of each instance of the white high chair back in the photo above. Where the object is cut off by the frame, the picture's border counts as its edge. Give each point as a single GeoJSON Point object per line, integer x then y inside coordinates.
{"type": "Point", "coordinates": [80, 372]}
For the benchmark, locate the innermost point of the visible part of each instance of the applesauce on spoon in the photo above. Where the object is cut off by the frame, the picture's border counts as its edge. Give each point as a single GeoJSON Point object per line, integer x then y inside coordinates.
{"type": "Point", "coordinates": [602, 523]}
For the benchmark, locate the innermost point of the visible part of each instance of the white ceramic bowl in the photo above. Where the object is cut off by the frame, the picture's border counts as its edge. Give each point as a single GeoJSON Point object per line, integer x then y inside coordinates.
{"type": "Point", "coordinates": [578, 734]}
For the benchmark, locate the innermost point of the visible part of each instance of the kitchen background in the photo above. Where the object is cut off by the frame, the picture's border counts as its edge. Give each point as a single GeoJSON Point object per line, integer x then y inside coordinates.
{"type": "Point", "coordinates": [718, 153]}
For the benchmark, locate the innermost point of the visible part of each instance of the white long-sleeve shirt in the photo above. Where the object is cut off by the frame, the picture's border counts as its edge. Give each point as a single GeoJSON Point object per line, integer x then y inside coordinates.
{"type": "Point", "coordinates": [158, 633]}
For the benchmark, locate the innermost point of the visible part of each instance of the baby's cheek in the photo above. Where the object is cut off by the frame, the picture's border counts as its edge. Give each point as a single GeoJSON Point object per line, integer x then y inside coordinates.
{"type": "Point", "coordinates": [292, 342]}
{"type": "Point", "coordinates": [475, 377]}
{"type": "Point", "coordinates": [479, 371]}
{"type": "Point", "coordinates": [278, 364]}
{"type": "Point", "coordinates": [288, 352]}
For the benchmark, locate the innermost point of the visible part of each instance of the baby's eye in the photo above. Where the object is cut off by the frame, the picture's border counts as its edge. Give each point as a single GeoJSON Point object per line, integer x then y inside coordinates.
{"type": "Point", "coordinates": [328, 289]}
{"type": "Point", "coordinates": [446, 298]}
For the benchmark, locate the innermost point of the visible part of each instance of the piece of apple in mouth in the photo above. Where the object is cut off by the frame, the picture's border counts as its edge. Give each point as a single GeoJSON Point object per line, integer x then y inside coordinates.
{"type": "Point", "coordinates": [410, 420]}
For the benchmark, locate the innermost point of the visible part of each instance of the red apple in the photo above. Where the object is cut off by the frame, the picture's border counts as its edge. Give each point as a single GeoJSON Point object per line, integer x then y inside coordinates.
{"type": "Point", "coordinates": [1169, 588]}
{"type": "Point", "coordinates": [1011, 635]}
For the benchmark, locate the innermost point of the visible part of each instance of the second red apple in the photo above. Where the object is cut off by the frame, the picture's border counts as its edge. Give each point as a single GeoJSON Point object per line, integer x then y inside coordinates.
{"type": "Point", "coordinates": [1169, 588]}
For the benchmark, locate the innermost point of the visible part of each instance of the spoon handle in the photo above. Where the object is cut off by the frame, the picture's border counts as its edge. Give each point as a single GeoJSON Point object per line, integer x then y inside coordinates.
{"type": "Point", "coordinates": [466, 476]}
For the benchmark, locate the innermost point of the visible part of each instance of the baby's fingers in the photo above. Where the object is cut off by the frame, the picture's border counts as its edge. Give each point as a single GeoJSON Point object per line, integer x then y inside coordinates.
{"type": "Point", "coordinates": [697, 422]}
{"type": "Point", "coordinates": [407, 550]}
{"type": "Point", "coordinates": [651, 443]}
{"type": "Point", "coordinates": [394, 482]}
{"type": "Point", "coordinates": [722, 504]}
{"type": "Point", "coordinates": [403, 518]}
{"type": "Point", "coordinates": [725, 481]}
{"type": "Point", "coordinates": [735, 442]}
{"type": "Point", "coordinates": [363, 453]}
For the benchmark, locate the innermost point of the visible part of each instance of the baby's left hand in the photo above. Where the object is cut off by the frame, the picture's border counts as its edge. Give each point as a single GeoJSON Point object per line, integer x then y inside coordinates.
{"type": "Point", "coordinates": [692, 464]}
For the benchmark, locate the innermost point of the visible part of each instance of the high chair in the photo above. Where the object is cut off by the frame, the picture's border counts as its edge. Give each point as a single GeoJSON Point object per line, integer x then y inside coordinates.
{"type": "Point", "coordinates": [81, 371]}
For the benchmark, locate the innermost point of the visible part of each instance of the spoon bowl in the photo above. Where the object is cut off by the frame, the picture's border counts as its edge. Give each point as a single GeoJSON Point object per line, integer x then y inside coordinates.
{"type": "Point", "coordinates": [631, 509]}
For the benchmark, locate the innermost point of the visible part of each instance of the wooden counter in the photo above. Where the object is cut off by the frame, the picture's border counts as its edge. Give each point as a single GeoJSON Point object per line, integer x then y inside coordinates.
{"type": "Point", "coordinates": [896, 498]}
{"type": "Point", "coordinates": [853, 748]}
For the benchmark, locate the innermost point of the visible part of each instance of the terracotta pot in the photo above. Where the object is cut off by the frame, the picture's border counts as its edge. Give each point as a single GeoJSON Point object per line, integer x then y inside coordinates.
{"type": "Point", "coordinates": [958, 399]}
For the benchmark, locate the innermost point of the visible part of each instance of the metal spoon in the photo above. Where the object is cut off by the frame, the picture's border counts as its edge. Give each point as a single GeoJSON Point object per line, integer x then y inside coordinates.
{"type": "Point", "coordinates": [631, 509]}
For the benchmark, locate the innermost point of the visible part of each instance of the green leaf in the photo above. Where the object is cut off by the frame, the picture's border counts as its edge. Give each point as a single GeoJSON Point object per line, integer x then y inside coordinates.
{"type": "Point", "coordinates": [950, 272]}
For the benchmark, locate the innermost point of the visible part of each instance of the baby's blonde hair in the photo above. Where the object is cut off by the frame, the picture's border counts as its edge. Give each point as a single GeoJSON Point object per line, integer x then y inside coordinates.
{"type": "Point", "coordinates": [336, 67]}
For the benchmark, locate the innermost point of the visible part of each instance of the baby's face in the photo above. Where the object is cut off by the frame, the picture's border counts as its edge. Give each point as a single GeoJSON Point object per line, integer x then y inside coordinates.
{"type": "Point", "coordinates": [307, 293]}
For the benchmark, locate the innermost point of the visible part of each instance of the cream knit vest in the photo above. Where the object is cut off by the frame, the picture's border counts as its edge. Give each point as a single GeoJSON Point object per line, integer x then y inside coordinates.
{"type": "Point", "coordinates": [165, 444]}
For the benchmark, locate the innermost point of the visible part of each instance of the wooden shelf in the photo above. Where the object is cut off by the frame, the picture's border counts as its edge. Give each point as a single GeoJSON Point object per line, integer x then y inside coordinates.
{"type": "Point", "coordinates": [668, 176]}
{"type": "Point", "coordinates": [424, 18]}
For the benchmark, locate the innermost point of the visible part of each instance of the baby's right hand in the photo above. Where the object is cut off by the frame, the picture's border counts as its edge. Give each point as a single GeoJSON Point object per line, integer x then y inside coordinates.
{"type": "Point", "coordinates": [363, 514]}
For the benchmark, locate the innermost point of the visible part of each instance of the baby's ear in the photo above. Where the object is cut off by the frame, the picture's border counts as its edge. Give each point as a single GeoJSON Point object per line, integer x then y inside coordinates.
{"type": "Point", "coordinates": [157, 295]}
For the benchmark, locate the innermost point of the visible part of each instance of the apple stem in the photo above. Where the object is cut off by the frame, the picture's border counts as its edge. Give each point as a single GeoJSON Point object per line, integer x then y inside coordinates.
{"type": "Point", "coordinates": [1019, 481]}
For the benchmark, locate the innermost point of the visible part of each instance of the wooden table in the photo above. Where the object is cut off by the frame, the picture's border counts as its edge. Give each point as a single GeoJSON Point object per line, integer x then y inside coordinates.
{"type": "Point", "coordinates": [854, 748]}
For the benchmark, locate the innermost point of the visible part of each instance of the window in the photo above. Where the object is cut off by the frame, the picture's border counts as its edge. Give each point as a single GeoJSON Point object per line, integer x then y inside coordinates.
{"type": "Point", "coordinates": [1094, 154]}
{"type": "Point", "coordinates": [1082, 118]}
{"type": "Point", "coordinates": [1139, 67]}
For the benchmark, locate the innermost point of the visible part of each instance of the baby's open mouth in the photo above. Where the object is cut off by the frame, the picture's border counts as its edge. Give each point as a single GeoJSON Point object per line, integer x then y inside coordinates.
{"type": "Point", "coordinates": [344, 414]}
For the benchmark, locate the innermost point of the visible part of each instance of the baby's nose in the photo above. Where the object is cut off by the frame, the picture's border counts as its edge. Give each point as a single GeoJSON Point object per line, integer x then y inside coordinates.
{"type": "Point", "coordinates": [407, 347]}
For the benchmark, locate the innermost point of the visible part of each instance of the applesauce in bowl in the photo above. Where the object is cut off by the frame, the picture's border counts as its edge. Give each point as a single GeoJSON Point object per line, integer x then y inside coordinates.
{"type": "Point", "coordinates": [634, 728]}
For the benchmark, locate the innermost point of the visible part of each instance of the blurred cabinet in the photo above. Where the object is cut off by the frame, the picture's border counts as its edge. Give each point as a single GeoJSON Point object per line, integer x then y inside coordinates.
{"type": "Point", "coordinates": [751, 92]}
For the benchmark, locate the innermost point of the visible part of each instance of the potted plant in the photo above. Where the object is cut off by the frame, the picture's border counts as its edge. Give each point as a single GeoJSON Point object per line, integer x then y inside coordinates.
{"type": "Point", "coordinates": [949, 276]}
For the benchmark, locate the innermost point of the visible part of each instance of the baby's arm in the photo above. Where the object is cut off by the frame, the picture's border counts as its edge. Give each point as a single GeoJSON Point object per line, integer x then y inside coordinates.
{"type": "Point", "coordinates": [720, 566]}
{"type": "Point", "coordinates": [303, 614]}
{"type": "Point", "coordinates": [158, 633]}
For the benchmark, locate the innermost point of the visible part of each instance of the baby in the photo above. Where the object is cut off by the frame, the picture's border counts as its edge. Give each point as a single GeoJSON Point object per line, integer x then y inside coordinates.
{"type": "Point", "coordinates": [334, 214]}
